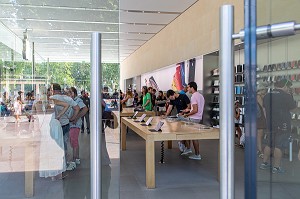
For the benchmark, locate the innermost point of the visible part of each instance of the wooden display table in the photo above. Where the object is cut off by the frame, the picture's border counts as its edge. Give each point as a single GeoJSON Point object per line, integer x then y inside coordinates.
{"type": "Point", "coordinates": [170, 131]}
{"type": "Point", "coordinates": [27, 135]}
{"type": "Point", "coordinates": [127, 112]}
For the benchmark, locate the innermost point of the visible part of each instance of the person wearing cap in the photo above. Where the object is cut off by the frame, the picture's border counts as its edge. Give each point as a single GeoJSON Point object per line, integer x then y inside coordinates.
{"type": "Point", "coordinates": [278, 103]}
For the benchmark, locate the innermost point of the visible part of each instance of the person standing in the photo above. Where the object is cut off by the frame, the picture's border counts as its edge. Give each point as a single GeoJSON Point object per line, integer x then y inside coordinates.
{"type": "Point", "coordinates": [237, 116]}
{"type": "Point", "coordinates": [147, 105]}
{"type": "Point", "coordinates": [65, 119]}
{"type": "Point", "coordinates": [135, 97]}
{"type": "Point", "coordinates": [195, 115]}
{"type": "Point", "coordinates": [86, 101]}
{"type": "Point", "coordinates": [278, 104]}
{"type": "Point", "coordinates": [153, 97]}
{"type": "Point", "coordinates": [18, 108]}
{"type": "Point", "coordinates": [160, 103]}
{"type": "Point", "coordinates": [260, 121]}
{"type": "Point", "coordinates": [128, 101]}
{"type": "Point", "coordinates": [76, 124]}
{"type": "Point", "coordinates": [180, 101]}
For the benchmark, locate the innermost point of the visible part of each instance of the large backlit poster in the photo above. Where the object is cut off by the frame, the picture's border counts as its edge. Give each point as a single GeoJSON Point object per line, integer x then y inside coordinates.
{"type": "Point", "coordinates": [176, 76]}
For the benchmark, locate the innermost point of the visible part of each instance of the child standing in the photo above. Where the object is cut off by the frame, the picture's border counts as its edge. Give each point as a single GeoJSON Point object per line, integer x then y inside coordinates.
{"type": "Point", "coordinates": [18, 108]}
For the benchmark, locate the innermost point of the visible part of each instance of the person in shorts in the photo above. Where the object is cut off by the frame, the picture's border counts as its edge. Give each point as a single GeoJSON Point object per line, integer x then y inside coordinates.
{"type": "Point", "coordinates": [66, 118]}
{"type": "Point", "coordinates": [181, 102]}
{"type": "Point", "coordinates": [76, 124]}
{"type": "Point", "coordinates": [278, 103]}
{"type": "Point", "coordinates": [194, 115]}
{"type": "Point", "coordinates": [260, 121]}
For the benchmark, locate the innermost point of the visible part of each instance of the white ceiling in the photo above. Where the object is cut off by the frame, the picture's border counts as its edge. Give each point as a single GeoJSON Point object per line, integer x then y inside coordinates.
{"type": "Point", "coordinates": [61, 29]}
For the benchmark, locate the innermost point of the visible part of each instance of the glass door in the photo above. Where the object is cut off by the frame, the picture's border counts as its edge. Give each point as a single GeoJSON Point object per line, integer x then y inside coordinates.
{"type": "Point", "coordinates": [45, 86]}
{"type": "Point", "coordinates": [278, 123]}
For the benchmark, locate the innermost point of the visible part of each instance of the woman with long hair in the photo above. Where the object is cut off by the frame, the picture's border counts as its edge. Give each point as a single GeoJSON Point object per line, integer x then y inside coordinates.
{"type": "Point", "coordinates": [128, 100]}
{"type": "Point", "coordinates": [147, 105]}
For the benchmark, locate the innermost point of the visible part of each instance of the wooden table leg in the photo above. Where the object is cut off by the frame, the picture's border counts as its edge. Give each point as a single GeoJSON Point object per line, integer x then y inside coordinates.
{"type": "Point", "coordinates": [123, 136]}
{"type": "Point", "coordinates": [29, 170]}
{"type": "Point", "coordinates": [115, 122]}
{"type": "Point", "coordinates": [170, 144]}
{"type": "Point", "coordinates": [150, 164]}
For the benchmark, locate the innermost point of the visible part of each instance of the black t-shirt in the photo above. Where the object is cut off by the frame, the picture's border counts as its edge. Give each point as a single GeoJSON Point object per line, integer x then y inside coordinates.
{"type": "Point", "coordinates": [181, 102]}
{"type": "Point", "coordinates": [86, 101]}
{"type": "Point", "coordinates": [278, 105]}
{"type": "Point", "coordinates": [163, 98]}
{"type": "Point", "coordinates": [152, 99]}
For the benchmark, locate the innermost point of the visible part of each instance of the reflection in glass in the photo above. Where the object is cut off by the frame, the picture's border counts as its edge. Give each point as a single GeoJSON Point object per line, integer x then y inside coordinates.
{"type": "Point", "coordinates": [278, 166]}
{"type": "Point", "coordinates": [33, 144]}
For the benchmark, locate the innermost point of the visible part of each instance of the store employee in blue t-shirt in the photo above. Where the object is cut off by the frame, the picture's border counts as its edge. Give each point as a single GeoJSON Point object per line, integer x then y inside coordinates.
{"type": "Point", "coordinates": [181, 101]}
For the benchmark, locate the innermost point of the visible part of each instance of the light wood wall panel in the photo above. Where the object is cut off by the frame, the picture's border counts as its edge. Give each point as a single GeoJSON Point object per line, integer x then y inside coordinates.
{"type": "Point", "coordinates": [193, 33]}
{"type": "Point", "coordinates": [196, 32]}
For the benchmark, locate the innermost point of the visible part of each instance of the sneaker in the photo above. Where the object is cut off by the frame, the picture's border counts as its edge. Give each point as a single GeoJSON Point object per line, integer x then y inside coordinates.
{"type": "Point", "coordinates": [195, 157]}
{"type": "Point", "coordinates": [186, 151]}
{"type": "Point", "coordinates": [181, 146]}
{"type": "Point", "coordinates": [260, 154]}
{"type": "Point", "coordinates": [278, 170]}
{"type": "Point", "coordinates": [77, 161]}
{"type": "Point", "coordinates": [265, 166]}
{"type": "Point", "coordinates": [71, 166]}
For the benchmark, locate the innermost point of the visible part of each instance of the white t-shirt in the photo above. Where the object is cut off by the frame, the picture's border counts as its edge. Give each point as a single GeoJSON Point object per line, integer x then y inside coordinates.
{"type": "Point", "coordinates": [129, 102]}
{"type": "Point", "coordinates": [64, 120]}
{"type": "Point", "coordinates": [80, 103]}
{"type": "Point", "coordinates": [198, 99]}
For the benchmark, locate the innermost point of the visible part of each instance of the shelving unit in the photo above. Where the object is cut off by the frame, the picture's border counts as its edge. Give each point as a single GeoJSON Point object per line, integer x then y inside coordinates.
{"type": "Point", "coordinates": [212, 90]}
{"type": "Point", "coordinates": [267, 75]}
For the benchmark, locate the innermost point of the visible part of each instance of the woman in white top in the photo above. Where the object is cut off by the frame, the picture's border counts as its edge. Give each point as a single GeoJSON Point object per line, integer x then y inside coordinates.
{"type": "Point", "coordinates": [128, 100]}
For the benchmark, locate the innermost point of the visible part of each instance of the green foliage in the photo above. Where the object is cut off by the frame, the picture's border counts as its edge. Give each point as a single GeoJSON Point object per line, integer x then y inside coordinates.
{"type": "Point", "coordinates": [65, 73]}
{"type": "Point", "coordinates": [111, 75]}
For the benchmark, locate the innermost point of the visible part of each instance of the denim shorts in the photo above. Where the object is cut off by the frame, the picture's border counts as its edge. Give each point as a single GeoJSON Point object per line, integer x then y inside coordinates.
{"type": "Point", "coordinates": [66, 130]}
{"type": "Point", "coordinates": [187, 119]}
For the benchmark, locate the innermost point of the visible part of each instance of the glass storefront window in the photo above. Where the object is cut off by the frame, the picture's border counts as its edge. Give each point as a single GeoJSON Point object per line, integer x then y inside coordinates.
{"type": "Point", "coordinates": [278, 174]}
{"type": "Point", "coordinates": [30, 141]}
